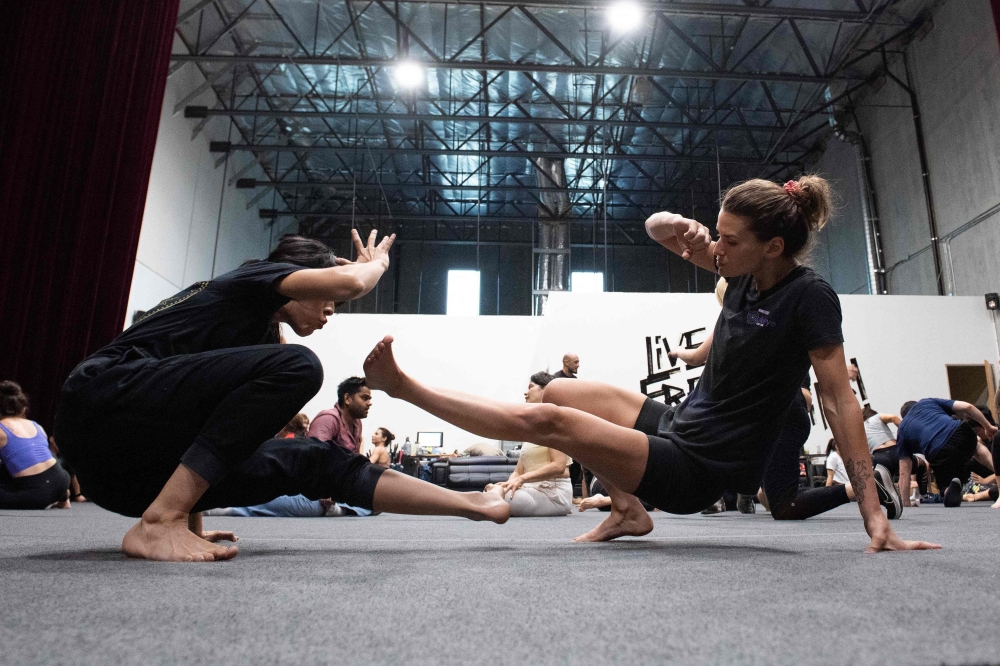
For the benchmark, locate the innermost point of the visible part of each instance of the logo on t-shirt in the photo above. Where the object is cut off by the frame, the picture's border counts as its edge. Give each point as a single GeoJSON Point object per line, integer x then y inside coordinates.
{"type": "Point", "coordinates": [193, 290]}
{"type": "Point", "coordinates": [760, 318]}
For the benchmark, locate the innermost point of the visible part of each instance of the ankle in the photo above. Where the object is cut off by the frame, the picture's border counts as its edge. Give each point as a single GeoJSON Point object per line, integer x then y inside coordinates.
{"type": "Point", "coordinates": [155, 515]}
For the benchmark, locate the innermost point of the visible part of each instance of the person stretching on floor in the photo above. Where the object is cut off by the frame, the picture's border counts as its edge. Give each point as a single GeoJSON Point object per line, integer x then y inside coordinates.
{"type": "Point", "coordinates": [30, 477]}
{"type": "Point", "coordinates": [779, 492]}
{"type": "Point", "coordinates": [947, 443]}
{"type": "Point", "coordinates": [540, 483]}
{"type": "Point", "coordinates": [194, 393]}
{"type": "Point", "coordinates": [778, 317]}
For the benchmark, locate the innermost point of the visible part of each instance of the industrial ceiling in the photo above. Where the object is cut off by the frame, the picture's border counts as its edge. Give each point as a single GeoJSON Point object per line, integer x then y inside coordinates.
{"type": "Point", "coordinates": [449, 116]}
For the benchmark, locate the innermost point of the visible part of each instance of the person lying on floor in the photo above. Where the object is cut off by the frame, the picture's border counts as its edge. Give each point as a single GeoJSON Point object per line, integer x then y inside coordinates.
{"type": "Point", "coordinates": [778, 318]}
{"type": "Point", "coordinates": [291, 506]}
{"type": "Point", "coordinates": [540, 483]}
{"type": "Point", "coordinates": [30, 477]}
{"type": "Point", "coordinates": [195, 391]}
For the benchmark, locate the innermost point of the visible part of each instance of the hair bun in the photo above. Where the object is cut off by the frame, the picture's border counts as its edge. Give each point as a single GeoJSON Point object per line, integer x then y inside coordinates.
{"type": "Point", "coordinates": [813, 197]}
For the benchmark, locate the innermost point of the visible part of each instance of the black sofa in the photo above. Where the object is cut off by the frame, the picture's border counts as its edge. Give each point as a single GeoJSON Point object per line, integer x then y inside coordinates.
{"type": "Point", "coordinates": [472, 473]}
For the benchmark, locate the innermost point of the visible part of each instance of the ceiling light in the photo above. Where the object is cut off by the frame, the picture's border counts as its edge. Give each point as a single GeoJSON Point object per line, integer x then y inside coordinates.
{"type": "Point", "coordinates": [408, 75]}
{"type": "Point", "coordinates": [625, 16]}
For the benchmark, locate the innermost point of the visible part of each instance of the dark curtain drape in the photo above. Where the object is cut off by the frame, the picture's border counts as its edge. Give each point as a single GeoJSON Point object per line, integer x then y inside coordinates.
{"type": "Point", "coordinates": [995, 4]}
{"type": "Point", "coordinates": [81, 89]}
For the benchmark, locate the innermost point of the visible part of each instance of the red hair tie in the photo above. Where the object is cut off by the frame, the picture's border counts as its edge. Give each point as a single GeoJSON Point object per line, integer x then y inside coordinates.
{"type": "Point", "coordinates": [792, 187]}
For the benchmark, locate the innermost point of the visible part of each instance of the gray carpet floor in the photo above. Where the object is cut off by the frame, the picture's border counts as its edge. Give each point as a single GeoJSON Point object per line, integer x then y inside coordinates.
{"type": "Point", "coordinates": [727, 589]}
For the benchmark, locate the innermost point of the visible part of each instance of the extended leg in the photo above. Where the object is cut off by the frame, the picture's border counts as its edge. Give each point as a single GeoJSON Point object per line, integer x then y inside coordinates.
{"type": "Point", "coordinates": [616, 453]}
{"type": "Point", "coordinates": [317, 470]}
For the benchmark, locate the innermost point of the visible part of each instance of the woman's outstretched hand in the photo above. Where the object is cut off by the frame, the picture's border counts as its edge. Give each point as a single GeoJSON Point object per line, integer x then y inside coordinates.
{"type": "Point", "coordinates": [884, 538]}
{"type": "Point", "coordinates": [372, 252]}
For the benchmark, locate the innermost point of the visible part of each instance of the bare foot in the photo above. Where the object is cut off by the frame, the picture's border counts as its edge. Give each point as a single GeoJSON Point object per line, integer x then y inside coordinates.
{"type": "Point", "coordinates": [594, 502]}
{"type": "Point", "coordinates": [487, 506]}
{"type": "Point", "coordinates": [381, 371]}
{"type": "Point", "coordinates": [170, 540]}
{"type": "Point", "coordinates": [633, 521]}
{"type": "Point", "coordinates": [995, 505]}
{"type": "Point", "coordinates": [61, 504]}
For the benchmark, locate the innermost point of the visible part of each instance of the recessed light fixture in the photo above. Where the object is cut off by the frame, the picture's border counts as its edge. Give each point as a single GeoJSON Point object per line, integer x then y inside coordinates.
{"type": "Point", "coordinates": [625, 16]}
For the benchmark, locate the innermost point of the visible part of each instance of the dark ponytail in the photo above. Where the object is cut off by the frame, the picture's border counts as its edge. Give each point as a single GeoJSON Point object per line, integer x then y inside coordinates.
{"type": "Point", "coordinates": [13, 401]}
{"type": "Point", "coordinates": [793, 212]}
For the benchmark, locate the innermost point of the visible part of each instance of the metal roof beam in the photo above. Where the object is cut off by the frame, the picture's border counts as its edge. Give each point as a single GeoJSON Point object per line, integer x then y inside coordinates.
{"type": "Point", "coordinates": [201, 112]}
{"type": "Point", "coordinates": [681, 9]}
{"type": "Point", "coordinates": [497, 66]}
{"type": "Point", "coordinates": [523, 154]}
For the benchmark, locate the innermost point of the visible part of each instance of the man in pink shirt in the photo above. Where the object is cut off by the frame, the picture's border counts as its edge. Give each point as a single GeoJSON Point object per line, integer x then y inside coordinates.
{"type": "Point", "coordinates": [342, 424]}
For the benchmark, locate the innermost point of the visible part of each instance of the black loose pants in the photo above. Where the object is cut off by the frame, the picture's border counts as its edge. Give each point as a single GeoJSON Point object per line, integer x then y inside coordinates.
{"type": "Point", "coordinates": [125, 424]}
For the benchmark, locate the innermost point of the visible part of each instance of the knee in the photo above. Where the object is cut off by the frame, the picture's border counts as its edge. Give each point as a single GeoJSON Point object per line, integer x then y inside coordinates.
{"type": "Point", "coordinates": [782, 506]}
{"type": "Point", "coordinates": [556, 390]}
{"type": "Point", "coordinates": [305, 366]}
{"type": "Point", "coordinates": [543, 419]}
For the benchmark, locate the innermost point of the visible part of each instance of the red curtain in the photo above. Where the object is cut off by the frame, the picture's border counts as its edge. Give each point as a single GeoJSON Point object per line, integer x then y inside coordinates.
{"type": "Point", "coordinates": [81, 89]}
{"type": "Point", "coordinates": [995, 4]}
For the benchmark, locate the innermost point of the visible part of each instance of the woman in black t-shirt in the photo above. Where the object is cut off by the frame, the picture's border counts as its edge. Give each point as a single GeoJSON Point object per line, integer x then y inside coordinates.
{"type": "Point", "coordinates": [778, 317]}
{"type": "Point", "coordinates": [179, 413]}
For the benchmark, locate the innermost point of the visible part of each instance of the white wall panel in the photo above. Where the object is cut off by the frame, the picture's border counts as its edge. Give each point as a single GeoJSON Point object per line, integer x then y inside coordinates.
{"type": "Point", "coordinates": [902, 344]}
{"type": "Point", "coordinates": [188, 209]}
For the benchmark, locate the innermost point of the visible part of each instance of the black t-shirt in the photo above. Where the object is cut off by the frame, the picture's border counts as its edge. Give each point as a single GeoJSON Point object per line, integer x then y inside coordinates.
{"type": "Point", "coordinates": [755, 369]}
{"type": "Point", "coordinates": [232, 310]}
{"type": "Point", "coordinates": [563, 375]}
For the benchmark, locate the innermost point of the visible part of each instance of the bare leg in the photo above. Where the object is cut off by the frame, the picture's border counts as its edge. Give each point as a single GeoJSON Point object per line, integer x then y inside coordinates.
{"type": "Point", "coordinates": [628, 517]}
{"type": "Point", "coordinates": [164, 534]}
{"type": "Point", "coordinates": [615, 405]}
{"type": "Point", "coordinates": [611, 451]}
{"type": "Point", "coordinates": [399, 493]}
{"type": "Point", "coordinates": [984, 456]}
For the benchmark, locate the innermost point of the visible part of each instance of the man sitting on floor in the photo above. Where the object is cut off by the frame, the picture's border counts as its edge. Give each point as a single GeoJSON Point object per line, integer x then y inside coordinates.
{"type": "Point", "coordinates": [928, 427]}
{"type": "Point", "coordinates": [341, 425]}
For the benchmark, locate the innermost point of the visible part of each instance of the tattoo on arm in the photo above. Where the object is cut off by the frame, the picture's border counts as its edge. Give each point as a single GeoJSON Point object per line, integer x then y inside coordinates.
{"type": "Point", "coordinates": [859, 471]}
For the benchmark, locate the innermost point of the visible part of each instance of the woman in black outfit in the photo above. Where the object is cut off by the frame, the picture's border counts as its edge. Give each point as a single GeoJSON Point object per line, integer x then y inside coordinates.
{"type": "Point", "coordinates": [179, 413]}
{"type": "Point", "coordinates": [778, 317]}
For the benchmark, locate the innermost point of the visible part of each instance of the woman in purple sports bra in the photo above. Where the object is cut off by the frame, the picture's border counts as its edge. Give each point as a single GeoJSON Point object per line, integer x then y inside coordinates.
{"type": "Point", "coordinates": [30, 477]}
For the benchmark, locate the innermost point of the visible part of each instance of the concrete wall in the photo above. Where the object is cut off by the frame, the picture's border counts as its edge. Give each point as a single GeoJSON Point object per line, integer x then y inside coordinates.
{"type": "Point", "coordinates": [840, 254]}
{"type": "Point", "coordinates": [955, 70]}
{"type": "Point", "coordinates": [192, 227]}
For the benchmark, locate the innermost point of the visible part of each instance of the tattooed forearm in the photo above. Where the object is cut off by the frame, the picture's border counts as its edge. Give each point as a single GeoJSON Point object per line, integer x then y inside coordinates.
{"type": "Point", "coordinates": [859, 472]}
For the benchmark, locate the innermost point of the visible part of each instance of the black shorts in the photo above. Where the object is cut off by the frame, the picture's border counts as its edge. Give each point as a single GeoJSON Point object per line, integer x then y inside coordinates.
{"type": "Point", "coordinates": [673, 481]}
